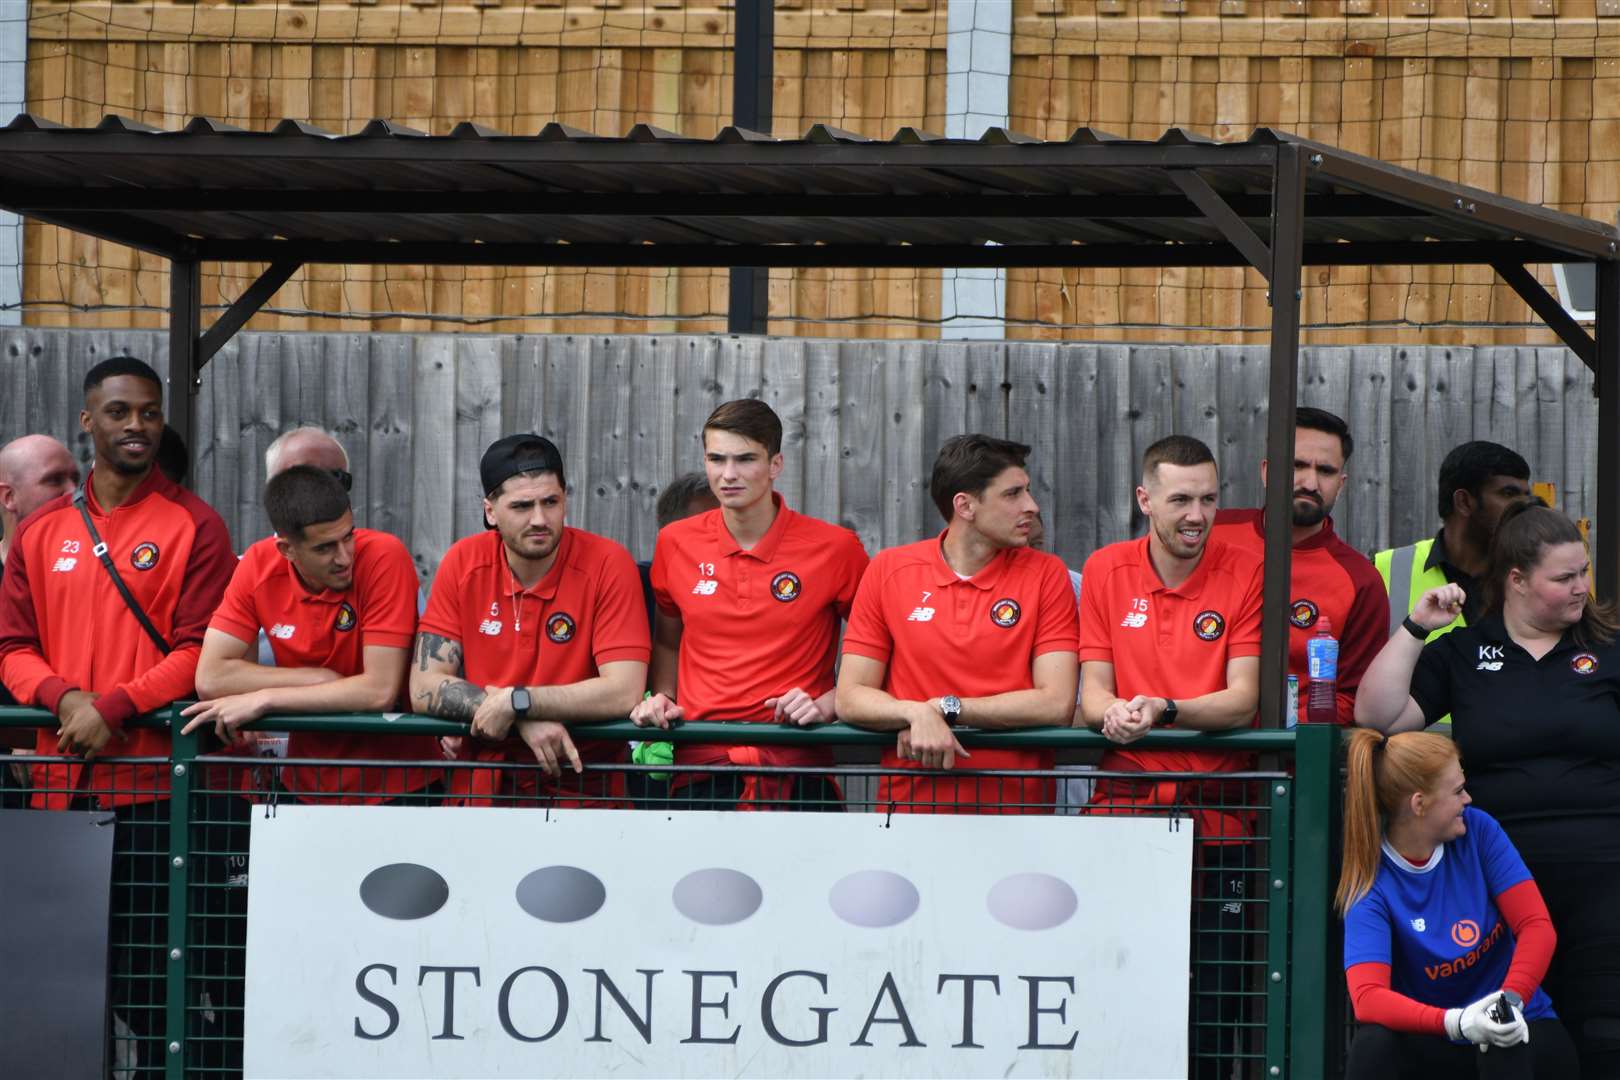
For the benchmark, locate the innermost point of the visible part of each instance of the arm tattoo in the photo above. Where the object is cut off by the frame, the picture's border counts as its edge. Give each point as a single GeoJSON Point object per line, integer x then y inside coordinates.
{"type": "Point", "coordinates": [454, 699]}
{"type": "Point", "coordinates": [431, 646]}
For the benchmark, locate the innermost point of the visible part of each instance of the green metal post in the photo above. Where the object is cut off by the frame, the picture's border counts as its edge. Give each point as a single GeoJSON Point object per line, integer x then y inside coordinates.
{"type": "Point", "coordinates": [182, 766]}
{"type": "Point", "coordinates": [1316, 797]}
{"type": "Point", "coordinates": [1279, 974]}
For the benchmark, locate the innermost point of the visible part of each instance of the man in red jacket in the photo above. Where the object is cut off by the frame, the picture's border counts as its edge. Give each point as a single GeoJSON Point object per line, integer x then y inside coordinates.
{"type": "Point", "coordinates": [1331, 580]}
{"type": "Point", "coordinates": [70, 644]}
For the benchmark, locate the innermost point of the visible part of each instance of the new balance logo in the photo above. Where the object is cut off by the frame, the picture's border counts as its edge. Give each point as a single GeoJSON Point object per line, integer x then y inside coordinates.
{"type": "Point", "coordinates": [1489, 665]}
{"type": "Point", "coordinates": [1419, 925]}
{"type": "Point", "coordinates": [63, 565]}
{"type": "Point", "coordinates": [920, 614]}
{"type": "Point", "coordinates": [282, 631]}
{"type": "Point", "coordinates": [490, 627]}
{"type": "Point", "coordinates": [705, 587]}
{"type": "Point", "coordinates": [1135, 620]}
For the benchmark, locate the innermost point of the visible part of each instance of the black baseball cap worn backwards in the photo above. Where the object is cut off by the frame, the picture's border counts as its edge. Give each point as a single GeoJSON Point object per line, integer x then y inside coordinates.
{"type": "Point", "coordinates": [515, 454]}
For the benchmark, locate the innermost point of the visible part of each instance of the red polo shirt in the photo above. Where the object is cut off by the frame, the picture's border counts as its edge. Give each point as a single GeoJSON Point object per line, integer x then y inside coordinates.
{"type": "Point", "coordinates": [64, 626]}
{"type": "Point", "coordinates": [755, 623]}
{"type": "Point", "coordinates": [1331, 580]}
{"type": "Point", "coordinates": [331, 629]}
{"type": "Point", "coordinates": [940, 634]}
{"type": "Point", "coordinates": [587, 611]}
{"type": "Point", "coordinates": [1172, 643]}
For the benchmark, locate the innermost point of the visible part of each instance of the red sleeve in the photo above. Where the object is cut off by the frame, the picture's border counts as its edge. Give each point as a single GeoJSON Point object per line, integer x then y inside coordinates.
{"type": "Point", "coordinates": [867, 634]}
{"type": "Point", "coordinates": [1058, 630]}
{"type": "Point", "coordinates": [620, 620]}
{"type": "Point", "coordinates": [1533, 935]}
{"type": "Point", "coordinates": [658, 575]}
{"type": "Point", "coordinates": [1246, 620]}
{"type": "Point", "coordinates": [1096, 635]}
{"type": "Point", "coordinates": [207, 572]}
{"type": "Point", "coordinates": [855, 564]}
{"type": "Point", "coordinates": [1376, 1003]}
{"type": "Point", "coordinates": [443, 613]}
{"type": "Point", "coordinates": [237, 614]}
{"type": "Point", "coordinates": [388, 612]}
{"type": "Point", "coordinates": [23, 668]}
{"type": "Point", "coordinates": [1365, 632]}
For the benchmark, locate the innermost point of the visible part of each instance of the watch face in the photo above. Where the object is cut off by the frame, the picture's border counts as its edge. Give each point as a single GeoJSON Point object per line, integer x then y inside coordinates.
{"type": "Point", "coordinates": [520, 701]}
{"type": "Point", "coordinates": [951, 704]}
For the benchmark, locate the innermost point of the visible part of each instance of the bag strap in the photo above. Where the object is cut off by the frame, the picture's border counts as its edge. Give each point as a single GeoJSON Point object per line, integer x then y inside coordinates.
{"type": "Point", "coordinates": [100, 551]}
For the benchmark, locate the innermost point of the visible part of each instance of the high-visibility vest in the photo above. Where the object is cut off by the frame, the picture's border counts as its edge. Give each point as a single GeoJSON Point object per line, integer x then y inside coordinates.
{"type": "Point", "coordinates": [1406, 574]}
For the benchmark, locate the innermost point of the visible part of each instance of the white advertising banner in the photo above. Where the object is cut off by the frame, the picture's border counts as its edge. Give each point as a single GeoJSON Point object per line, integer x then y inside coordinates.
{"type": "Point", "coordinates": [423, 942]}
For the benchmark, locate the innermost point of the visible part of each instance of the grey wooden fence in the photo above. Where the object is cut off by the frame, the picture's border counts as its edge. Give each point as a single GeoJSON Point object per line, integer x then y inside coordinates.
{"type": "Point", "coordinates": [863, 419]}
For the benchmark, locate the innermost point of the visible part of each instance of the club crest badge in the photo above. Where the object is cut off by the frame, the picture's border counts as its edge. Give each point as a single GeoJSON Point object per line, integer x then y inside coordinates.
{"type": "Point", "coordinates": [145, 556]}
{"type": "Point", "coordinates": [786, 586]}
{"type": "Point", "coordinates": [560, 627]}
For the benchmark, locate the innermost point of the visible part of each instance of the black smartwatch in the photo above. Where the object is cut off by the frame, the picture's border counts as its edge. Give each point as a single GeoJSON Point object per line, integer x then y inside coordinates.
{"type": "Point", "coordinates": [1167, 717]}
{"type": "Point", "coordinates": [1414, 629]}
{"type": "Point", "coordinates": [520, 702]}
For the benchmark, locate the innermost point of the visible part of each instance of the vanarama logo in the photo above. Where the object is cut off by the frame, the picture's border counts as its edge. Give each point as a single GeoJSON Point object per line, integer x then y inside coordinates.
{"type": "Point", "coordinates": [1465, 933]}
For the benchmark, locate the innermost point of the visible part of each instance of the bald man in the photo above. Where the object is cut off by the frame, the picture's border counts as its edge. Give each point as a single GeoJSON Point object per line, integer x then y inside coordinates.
{"type": "Point", "coordinates": [308, 446]}
{"type": "Point", "coordinates": [33, 470]}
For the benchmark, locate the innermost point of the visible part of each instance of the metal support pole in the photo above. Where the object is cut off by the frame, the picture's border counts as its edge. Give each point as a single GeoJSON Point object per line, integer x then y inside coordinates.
{"type": "Point", "coordinates": [1287, 251]}
{"type": "Point", "coordinates": [185, 328]}
{"type": "Point", "coordinates": [748, 307]}
{"type": "Point", "coordinates": [176, 962]}
{"type": "Point", "coordinates": [1608, 448]}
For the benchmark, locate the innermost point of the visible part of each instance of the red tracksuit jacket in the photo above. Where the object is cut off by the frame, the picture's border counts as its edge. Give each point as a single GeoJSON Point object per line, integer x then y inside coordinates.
{"type": "Point", "coordinates": [63, 625]}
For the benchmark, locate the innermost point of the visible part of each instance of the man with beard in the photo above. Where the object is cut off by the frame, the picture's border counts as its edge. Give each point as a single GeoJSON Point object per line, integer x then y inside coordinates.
{"type": "Point", "coordinates": [532, 625]}
{"type": "Point", "coordinates": [71, 644]}
{"type": "Point", "coordinates": [339, 606]}
{"type": "Point", "coordinates": [1170, 637]}
{"type": "Point", "coordinates": [1331, 580]}
{"type": "Point", "coordinates": [1478, 480]}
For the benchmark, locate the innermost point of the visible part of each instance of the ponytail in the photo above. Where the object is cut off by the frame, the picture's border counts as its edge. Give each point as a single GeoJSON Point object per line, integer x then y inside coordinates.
{"type": "Point", "coordinates": [1363, 829]}
{"type": "Point", "coordinates": [1380, 774]}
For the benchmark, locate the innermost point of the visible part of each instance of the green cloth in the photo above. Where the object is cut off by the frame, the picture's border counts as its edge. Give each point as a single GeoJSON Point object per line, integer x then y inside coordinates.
{"type": "Point", "coordinates": [654, 753]}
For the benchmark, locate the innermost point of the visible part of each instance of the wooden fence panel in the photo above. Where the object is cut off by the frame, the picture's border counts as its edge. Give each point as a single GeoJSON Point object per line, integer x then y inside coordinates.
{"type": "Point", "coordinates": [863, 420]}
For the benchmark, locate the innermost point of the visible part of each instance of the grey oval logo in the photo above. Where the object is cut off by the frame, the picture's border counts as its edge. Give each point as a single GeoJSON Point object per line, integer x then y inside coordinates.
{"type": "Point", "coordinates": [874, 898]}
{"type": "Point", "coordinates": [561, 894]}
{"type": "Point", "coordinates": [404, 891]}
{"type": "Point", "coordinates": [717, 896]}
{"type": "Point", "coordinates": [1032, 901]}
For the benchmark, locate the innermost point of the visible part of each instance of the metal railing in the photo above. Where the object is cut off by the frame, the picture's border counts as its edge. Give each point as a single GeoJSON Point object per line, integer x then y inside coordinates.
{"type": "Point", "coordinates": [1262, 990]}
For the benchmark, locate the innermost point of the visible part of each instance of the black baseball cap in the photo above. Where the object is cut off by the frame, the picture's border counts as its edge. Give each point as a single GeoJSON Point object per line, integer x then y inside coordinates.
{"type": "Point", "coordinates": [518, 454]}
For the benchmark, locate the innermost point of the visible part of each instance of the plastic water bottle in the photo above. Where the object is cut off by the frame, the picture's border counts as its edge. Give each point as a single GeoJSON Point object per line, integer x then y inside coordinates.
{"type": "Point", "coordinates": [1291, 703]}
{"type": "Point", "coordinates": [1322, 658]}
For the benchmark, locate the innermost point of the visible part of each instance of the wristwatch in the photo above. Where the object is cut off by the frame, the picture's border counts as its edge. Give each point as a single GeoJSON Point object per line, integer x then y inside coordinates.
{"type": "Point", "coordinates": [951, 706]}
{"type": "Point", "coordinates": [520, 702]}
{"type": "Point", "coordinates": [1167, 717]}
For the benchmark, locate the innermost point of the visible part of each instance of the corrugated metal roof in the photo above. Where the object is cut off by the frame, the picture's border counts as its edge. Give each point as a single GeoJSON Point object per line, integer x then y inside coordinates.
{"type": "Point", "coordinates": [651, 197]}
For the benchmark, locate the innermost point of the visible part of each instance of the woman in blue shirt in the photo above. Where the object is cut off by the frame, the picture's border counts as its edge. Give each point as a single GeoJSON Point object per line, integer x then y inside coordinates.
{"type": "Point", "coordinates": [1446, 937]}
